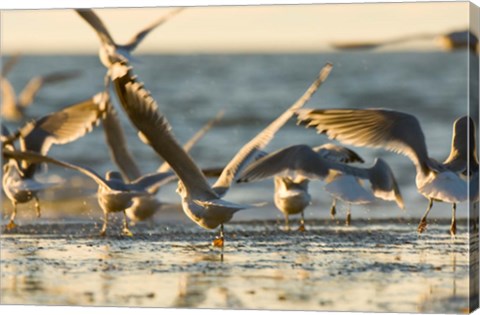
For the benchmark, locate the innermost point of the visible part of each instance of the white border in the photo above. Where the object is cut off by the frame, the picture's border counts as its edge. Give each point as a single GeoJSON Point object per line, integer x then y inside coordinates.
{"type": "Point", "coordinates": [62, 4]}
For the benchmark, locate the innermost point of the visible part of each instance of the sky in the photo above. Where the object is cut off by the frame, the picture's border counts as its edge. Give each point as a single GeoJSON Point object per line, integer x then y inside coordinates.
{"type": "Point", "coordinates": [235, 29]}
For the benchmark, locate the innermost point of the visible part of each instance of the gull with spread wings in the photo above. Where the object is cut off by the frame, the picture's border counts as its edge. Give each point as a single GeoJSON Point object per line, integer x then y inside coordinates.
{"type": "Point", "coordinates": [61, 127]}
{"type": "Point", "coordinates": [201, 202]}
{"type": "Point", "coordinates": [401, 133]}
{"type": "Point", "coordinates": [310, 163]}
{"type": "Point", "coordinates": [142, 207]}
{"type": "Point", "coordinates": [114, 195]}
{"type": "Point", "coordinates": [111, 52]}
{"type": "Point", "coordinates": [291, 192]}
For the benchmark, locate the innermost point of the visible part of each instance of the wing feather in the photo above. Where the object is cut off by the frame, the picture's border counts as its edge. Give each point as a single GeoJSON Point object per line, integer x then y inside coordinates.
{"type": "Point", "coordinates": [155, 130]}
{"type": "Point", "coordinates": [377, 128]}
{"type": "Point", "coordinates": [61, 127]}
{"type": "Point", "coordinates": [138, 38]}
{"type": "Point", "coordinates": [117, 144]}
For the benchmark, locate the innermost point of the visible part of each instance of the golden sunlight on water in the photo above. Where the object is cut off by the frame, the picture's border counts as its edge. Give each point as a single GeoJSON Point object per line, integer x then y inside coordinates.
{"type": "Point", "coordinates": [388, 268]}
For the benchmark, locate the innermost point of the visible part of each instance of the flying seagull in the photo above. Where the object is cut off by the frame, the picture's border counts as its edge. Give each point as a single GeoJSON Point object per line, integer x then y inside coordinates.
{"type": "Point", "coordinates": [111, 52]}
{"type": "Point", "coordinates": [201, 202]}
{"type": "Point", "coordinates": [401, 133]}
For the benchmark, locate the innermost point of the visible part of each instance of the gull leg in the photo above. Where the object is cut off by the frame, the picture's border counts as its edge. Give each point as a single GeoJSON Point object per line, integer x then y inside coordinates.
{"type": "Point", "coordinates": [105, 223]}
{"type": "Point", "coordinates": [422, 226]}
{"type": "Point", "coordinates": [333, 210]}
{"type": "Point", "coordinates": [301, 228]}
{"type": "Point", "coordinates": [126, 230]}
{"type": "Point", "coordinates": [219, 241]}
{"type": "Point", "coordinates": [11, 224]}
{"type": "Point", "coordinates": [349, 216]}
{"type": "Point", "coordinates": [287, 223]}
{"type": "Point", "coordinates": [37, 207]}
{"type": "Point", "coordinates": [453, 226]}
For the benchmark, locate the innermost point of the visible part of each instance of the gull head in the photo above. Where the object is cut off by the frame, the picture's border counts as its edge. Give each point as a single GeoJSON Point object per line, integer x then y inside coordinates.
{"type": "Point", "coordinates": [113, 175]}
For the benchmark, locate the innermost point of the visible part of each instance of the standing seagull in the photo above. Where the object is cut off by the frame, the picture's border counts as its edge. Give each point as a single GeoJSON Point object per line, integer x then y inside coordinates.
{"type": "Point", "coordinates": [114, 195]}
{"type": "Point", "coordinates": [201, 202]}
{"type": "Point", "coordinates": [351, 192]}
{"type": "Point", "coordinates": [61, 127]}
{"type": "Point", "coordinates": [305, 162]}
{"type": "Point", "coordinates": [291, 192]}
{"type": "Point", "coordinates": [401, 133]}
{"type": "Point", "coordinates": [111, 52]}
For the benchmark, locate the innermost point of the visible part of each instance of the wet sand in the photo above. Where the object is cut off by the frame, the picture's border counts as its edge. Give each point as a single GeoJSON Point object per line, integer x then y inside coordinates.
{"type": "Point", "coordinates": [375, 265]}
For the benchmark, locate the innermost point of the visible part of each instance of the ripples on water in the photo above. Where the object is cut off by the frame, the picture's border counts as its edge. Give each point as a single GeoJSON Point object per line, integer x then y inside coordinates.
{"type": "Point", "coordinates": [373, 266]}
{"type": "Point", "coordinates": [254, 89]}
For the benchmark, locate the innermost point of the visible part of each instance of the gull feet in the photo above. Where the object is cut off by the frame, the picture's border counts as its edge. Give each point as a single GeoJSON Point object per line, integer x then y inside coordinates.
{"type": "Point", "coordinates": [37, 210]}
{"type": "Point", "coordinates": [348, 220]}
{"type": "Point", "coordinates": [333, 212]}
{"type": "Point", "coordinates": [218, 241]}
{"type": "Point", "coordinates": [127, 232]}
{"type": "Point", "coordinates": [453, 229]}
{"type": "Point", "coordinates": [10, 226]}
{"type": "Point", "coordinates": [103, 232]}
{"type": "Point", "coordinates": [422, 226]}
{"type": "Point", "coordinates": [302, 228]}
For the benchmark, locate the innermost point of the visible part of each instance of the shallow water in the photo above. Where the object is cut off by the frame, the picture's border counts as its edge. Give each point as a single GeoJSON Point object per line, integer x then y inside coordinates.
{"type": "Point", "coordinates": [374, 265]}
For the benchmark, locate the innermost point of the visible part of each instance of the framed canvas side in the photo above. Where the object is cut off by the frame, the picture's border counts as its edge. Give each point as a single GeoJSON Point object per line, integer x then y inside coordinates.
{"type": "Point", "coordinates": [473, 110]}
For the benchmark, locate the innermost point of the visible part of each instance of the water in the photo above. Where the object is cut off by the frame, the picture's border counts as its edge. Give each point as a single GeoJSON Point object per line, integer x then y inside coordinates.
{"type": "Point", "coordinates": [380, 266]}
{"type": "Point", "coordinates": [380, 260]}
{"type": "Point", "coordinates": [253, 90]}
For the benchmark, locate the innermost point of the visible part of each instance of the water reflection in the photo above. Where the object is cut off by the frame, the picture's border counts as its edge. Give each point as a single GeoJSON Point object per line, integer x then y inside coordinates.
{"type": "Point", "coordinates": [388, 268]}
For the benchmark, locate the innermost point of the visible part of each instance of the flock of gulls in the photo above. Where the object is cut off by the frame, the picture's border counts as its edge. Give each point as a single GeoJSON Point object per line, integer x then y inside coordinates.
{"type": "Point", "coordinates": [25, 150]}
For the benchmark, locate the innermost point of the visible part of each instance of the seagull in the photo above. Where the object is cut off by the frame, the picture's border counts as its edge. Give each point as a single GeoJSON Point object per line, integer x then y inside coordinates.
{"type": "Point", "coordinates": [291, 192]}
{"type": "Point", "coordinates": [454, 40]}
{"type": "Point", "coordinates": [114, 195]}
{"type": "Point", "coordinates": [60, 127]}
{"type": "Point", "coordinates": [307, 163]}
{"type": "Point", "coordinates": [201, 202]}
{"type": "Point", "coordinates": [351, 192]}
{"type": "Point", "coordinates": [110, 51]}
{"type": "Point", "coordinates": [13, 105]}
{"type": "Point", "coordinates": [401, 133]}
{"type": "Point", "coordinates": [143, 207]}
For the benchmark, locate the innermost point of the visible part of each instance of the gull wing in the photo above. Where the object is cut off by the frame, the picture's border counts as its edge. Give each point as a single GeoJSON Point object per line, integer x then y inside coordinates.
{"type": "Point", "coordinates": [298, 158]}
{"type": "Point", "coordinates": [250, 150]}
{"type": "Point", "coordinates": [464, 146]}
{"type": "Point", "coordinates": [9, 107]}
{"type": "Point", "coordinates": [154, 179]}
{"type": "Point", "coordinates": [138, 38]}
{"type": "Point", "coordinates": [378, 44]}
{"type": "Point", "coordinates": [96, 23]}
{"type": "Point", "coordinates": [36, 158]}
{"type": "Point", "coordinates": [117, 144]}
{"type": "Point", "coordinates": [26, 96]}
{"type": "Point", "coordinates": [61, 127]}
{"type": "Point", "coordinates": [338, 153]}
{"type": "Point", "coordinates": [376, 128]}
{"type": "Point", "coordinates": [155, 130]}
